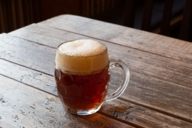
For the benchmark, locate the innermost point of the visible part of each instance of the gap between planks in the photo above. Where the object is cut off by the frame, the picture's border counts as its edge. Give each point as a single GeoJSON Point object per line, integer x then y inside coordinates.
{"type": "Point", "coordinates": [108, 42]}
{"type": "Point", "coordinates": [88, 36]}
{"type": "Point", "coordinates": [158, 110]}
{"type": "Point", "coordinates": [53, 109]}
{"type": "Point", "coordinates": [120, 98]}
{"type": "Point", "coordinates": [104, 114]}
{"type": "Point", "coordinates": [82, 36]}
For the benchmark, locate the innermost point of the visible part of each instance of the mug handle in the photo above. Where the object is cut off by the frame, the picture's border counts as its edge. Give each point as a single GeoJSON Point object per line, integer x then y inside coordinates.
{"type": "Point", "coordinates": [126, 74]}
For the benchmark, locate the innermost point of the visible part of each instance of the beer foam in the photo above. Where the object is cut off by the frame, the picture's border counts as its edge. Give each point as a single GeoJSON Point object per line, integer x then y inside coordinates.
{"type": "Point", "coordinates": [81, 56]}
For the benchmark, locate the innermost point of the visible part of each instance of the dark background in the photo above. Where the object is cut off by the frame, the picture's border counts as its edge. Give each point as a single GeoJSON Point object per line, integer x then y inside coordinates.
{"type": "Point", "coordinates": [167, 17]}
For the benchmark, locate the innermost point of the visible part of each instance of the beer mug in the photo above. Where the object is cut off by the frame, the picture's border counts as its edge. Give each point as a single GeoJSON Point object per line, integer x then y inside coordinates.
{"type": "Point", "coordinates": [82, 75]}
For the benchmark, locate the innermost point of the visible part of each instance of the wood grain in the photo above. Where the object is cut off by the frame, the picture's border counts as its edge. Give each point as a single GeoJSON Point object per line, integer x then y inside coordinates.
{"type": "Point", "coordinates": [148, 42]}
{"type": "Point", "coordinates": [141, 116]}
{"type": "Point", "coordinates": [158, 95]}
{"type": "Point", "coordinates": [125, 111]}
{"type": "Point", "coordinates": [164, 68]}
{"type": "Point", "coordinates": [29, 54]}
{"type": "Point", "coordinates": [146, 92]}
{"type": "Point", "coordinates": [44, 35]}
{"type": "Point", "coordinates": [20, 109]}
{"type": "Point", "coordinates": [28, 76]}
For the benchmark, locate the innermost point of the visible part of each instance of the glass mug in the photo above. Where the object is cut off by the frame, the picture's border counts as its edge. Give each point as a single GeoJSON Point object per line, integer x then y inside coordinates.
{"type": "Point", "coordinates": [82, 75]}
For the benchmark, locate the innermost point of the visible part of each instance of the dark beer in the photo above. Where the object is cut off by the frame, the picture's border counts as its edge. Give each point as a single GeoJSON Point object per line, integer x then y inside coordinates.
{"type": "Point", "coordinates": [82, 91]}
{"type": "Point", "coordinates": [81, 75]}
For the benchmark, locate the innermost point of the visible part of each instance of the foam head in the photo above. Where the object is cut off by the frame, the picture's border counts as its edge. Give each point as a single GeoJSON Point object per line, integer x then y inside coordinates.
{"type": "Point", "coordinates": [83, 56]}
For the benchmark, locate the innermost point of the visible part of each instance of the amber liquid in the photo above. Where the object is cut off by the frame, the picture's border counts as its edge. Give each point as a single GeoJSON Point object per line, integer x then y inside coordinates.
{"type": "Point", "coordinates": [82, 91]}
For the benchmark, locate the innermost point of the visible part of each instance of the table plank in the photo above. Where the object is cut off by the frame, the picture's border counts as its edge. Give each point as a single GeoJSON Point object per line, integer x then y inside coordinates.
{"type": "Point", "coordinates": [159, 80]}
{"type": "Point", "coordinates": [125, 111]}
{"type": "Point", "coordinates": [142, 89]}
{"type": "Point", "coordinates": [148, 42]}
{"type": "Point", "coordinates": [157, 94]}
{"type": "Point", "coordinates": [28, 76]}
{"type": "Point", "coordinates": [20, 109]}
{"type": "Point", "coordinates": [29, 54]}
{"type": "Point", "coordinates": [170, 70]}
{"type": "Point", "coordinates": [141, 116]}
{"type": "Point", "coordinates": [53, 38]}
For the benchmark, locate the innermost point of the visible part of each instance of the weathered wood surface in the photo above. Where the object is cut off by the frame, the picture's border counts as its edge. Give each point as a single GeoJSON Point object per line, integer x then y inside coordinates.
{"type": "Point", "coordinates": [25, 107]}
{"type": "Point", "coordinates": [158, 66]}
{"type": "Point", "coordinates": [148, 42]}
{"type": "Point", "coordinates": [159, 94]}
{"type": "Point", "coordinates": [139, 61]}
{"type": "Point", "coordinates": [127, 110]}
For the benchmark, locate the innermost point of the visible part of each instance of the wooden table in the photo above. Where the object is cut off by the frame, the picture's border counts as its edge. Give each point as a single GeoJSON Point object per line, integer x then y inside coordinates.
{"type": "Point", "coordinates": [159, 94]}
